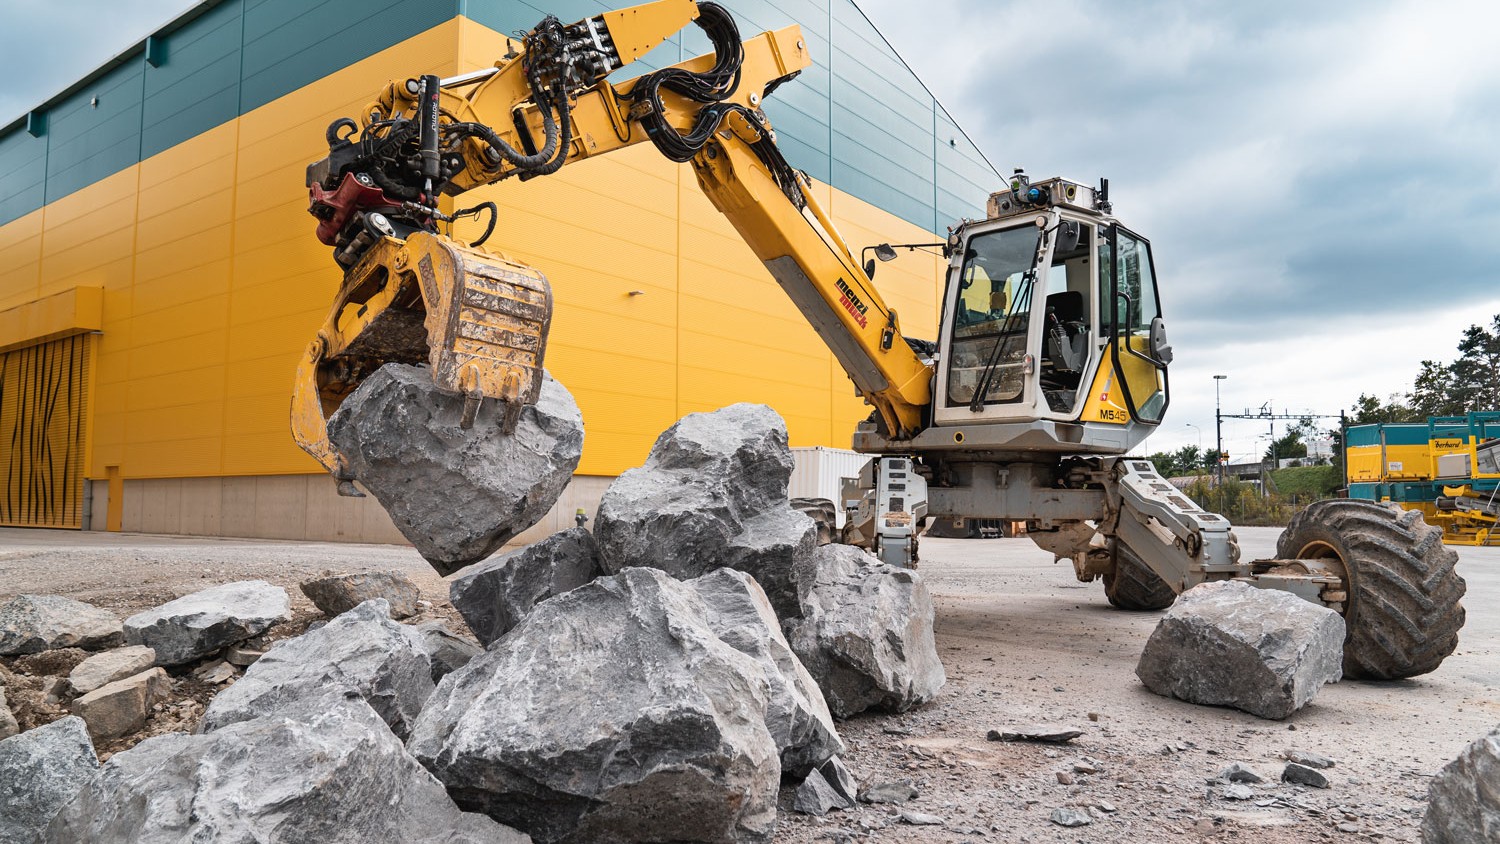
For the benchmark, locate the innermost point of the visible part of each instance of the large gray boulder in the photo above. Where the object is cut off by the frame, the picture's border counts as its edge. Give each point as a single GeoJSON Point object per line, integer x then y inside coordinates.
{"type": "Point", "coordinates": [866, 635]}
{"type": "Point", "coordinates": [456, 494]}
{"type": "Point", "coordinates": [495, 595]}
{"type": "Point", "coordinates": [198, 625]}
{"type": "Point", "coordinates": [8, 725]}
{"type": "Point", "coordinates": [713, 494]}
{"type": "Point", "coordinates": [1228, 643]}
{"type": "Point", "coordinates": [340, 593]}
{"type": "Point", "coordinates": [1463, 800]}
{"type": "Point", "coordinates": [40, 771]}
{"type": "Point", "coordinates": [611, 713]}
{"type": "Point", "coordinates": [330, 775]}
{"type": "Point", "coordinates": [34, 623]}
{"type": "Point", "coordinates": [796, 714]}
{"type": "Point", "coordinates": [361, 653]}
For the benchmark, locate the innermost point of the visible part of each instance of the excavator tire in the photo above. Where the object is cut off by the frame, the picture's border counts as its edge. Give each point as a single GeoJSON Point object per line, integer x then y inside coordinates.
{"type": "Point", "coordinates": [1403, 612]}
{"type": "Point", "coordinates": [1133, 585]}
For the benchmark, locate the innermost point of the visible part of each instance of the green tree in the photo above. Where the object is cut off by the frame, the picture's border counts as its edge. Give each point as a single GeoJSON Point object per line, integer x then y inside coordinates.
{"type": "Point", "coordinates": [1369, 409]}
{"type": "Point", "coordinates": [1475, 376]}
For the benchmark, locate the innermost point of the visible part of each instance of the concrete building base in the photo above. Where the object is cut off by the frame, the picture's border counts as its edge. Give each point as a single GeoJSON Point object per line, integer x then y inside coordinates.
{"type": "Point", "coordinates": [297, 507]}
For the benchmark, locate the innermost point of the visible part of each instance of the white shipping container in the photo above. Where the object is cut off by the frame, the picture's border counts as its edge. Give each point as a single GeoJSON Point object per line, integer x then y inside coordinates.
{"type": "Point", "coordinates": [819, 472]}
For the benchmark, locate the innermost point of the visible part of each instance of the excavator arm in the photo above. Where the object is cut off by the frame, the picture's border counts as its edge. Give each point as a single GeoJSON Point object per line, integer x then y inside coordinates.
{"type": "Point", "coordinates": [479, 319]}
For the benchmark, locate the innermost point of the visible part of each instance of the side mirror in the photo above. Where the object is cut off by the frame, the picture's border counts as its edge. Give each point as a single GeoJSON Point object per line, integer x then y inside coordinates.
{"type": "Point", "coordinates": [870, 268]}
{"type": "Point", "coordinates": [885, 253]}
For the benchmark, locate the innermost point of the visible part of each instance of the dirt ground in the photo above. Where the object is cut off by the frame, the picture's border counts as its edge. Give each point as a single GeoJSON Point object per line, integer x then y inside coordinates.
{"type": "Point", "coordinates": [1022, 642]}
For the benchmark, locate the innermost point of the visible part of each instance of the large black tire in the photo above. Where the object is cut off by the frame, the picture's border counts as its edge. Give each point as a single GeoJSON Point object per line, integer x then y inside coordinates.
{"type": "Point", "coordinates": [1133, 585]}
{"type": "Point", "coordinates": [1403, 612]}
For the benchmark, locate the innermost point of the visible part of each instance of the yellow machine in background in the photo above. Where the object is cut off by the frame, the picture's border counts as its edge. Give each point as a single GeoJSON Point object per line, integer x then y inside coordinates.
{"type": "Point", "coordinates": [1051, 356]}
{"type": "Point", "coordinates": [1447, 468]}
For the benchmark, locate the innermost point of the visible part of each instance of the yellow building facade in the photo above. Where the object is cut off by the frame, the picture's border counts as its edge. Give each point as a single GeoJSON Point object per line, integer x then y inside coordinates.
{"type": "Point", "coordinates": [162, 303]}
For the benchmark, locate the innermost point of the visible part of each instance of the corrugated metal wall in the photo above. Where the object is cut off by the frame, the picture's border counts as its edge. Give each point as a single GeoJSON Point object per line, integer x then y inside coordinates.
{"type": "Point", "coordinates": [43, 433]}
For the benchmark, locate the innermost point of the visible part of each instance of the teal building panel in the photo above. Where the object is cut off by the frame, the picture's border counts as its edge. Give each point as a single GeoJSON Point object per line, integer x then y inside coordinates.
{"type": "Point", "coordinates": [197, 85]}
{"type": "Point", "coordinates": [858, 119]}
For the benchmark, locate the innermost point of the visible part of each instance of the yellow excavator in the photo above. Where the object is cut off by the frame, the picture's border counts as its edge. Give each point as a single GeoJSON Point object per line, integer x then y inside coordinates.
{"type": "Point", "coordinates": [1050, 362]}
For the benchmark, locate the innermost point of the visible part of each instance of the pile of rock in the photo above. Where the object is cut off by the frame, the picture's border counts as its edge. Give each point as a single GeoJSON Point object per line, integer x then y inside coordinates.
{"type": "Point", "coordinates": [659, 683]}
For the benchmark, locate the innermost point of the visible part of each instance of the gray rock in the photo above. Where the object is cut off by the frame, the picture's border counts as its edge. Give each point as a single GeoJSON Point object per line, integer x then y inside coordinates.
{"type": "Point", "coordinates": [894, 793]}
{"type": "Point", "coordinates": [198, 625]}
{"type": "Point", "coordinates": [121, 707]}
{"type": "Point", "coordinates": [495, 595]}
{"type": "Point", "coordinates": [1308, 758]}
{"type": "Point", "coordinates": [332, 775]}
{"type": "Point", "coordinates": [815, 796]}
{"type": "Point", "coordinates": [823, 513]}
{"type": "Point", "coordinates": [40, 771]}
{"type": "Point", "coordinates": [920, 819]}
{"type": "Point", "coordinates": [1228, 643]}
{"type": "Point", "coordinates": [796, 715]}
{"type": "Point", "coordinates": [840, 780]}
{"type": "Point", "coordinates": [1070, 817]}
{"type": "Point", "coordinates": [242, 655]}
{"type": "Point", "coordinates": [1043, 733]}
{"type": "Point", "coordinates": [1238, 791]}
{"type": "Point", "coordinates": [866, 634]}
{"type": "Point", "coordinates": [8, 725]}
{"type": "Point", "coordinates": [1240, 772]}
{"type": "Point", "coordinates": [1463, 802]}
{"type": "Point", "coordinates": [613, 712]}
{"type": "Point", "coordinates": [34, 623]}
{"type": "Point", "coordinates": [216, 672]}
{"type": "Point", "coordinates": [109, 666]}
{"type": "Point", "coordinates": [456, 494]}
{"type": "Point", "coordinates": [447, 650]}
{"type": "Point", "coordinates": [343, 592]}
{"type": "Point", "coordinates": [713, 494]}
{"type": "Point", "coordinates": [361, 653]}
{"type": "Point", "coordinates": [1303, 775]}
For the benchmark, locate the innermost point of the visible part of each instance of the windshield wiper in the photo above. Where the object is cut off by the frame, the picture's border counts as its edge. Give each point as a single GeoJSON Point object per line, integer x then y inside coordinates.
{"type": "Point", "coordinates": [1022, 303]}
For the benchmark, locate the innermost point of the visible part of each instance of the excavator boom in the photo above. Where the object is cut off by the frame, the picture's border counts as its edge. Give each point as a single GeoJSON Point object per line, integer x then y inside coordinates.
{"type": "Point", "coordinates": [479, 319]}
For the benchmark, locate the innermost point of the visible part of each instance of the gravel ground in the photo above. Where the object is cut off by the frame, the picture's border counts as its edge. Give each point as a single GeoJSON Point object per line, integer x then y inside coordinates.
{"type": "Point", "coordinates": [1022, 642]}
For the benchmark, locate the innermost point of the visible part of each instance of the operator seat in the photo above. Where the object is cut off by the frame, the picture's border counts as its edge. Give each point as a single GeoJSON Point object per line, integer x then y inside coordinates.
{"type": "Point", "coordinates": [1067, 334]}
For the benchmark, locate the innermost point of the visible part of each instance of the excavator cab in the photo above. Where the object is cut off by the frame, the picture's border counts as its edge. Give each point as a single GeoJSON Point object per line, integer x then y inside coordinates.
{"type": "Point", "coordinates": [1051, 325]}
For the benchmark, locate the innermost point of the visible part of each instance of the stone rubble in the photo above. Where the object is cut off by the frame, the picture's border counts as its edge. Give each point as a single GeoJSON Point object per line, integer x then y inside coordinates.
{"type": "Point", "coordinates": [109, 666]}
{"type": "Point", "coordinates": [713, 494]}
{"type": "Point", "coordinates": [34, 623]}
{"type": "Point", "coordinates": [456, 494]}
{"type": "Point", "coordinates": [199, 625]}
{"type": "Point", "coordinates": [40, 771]}
{"type": "Point", "coordinates": [361, 653]}
{"type": "Point", "coordinates": [340, 593]}
{"type": "Point", "coordinates": [865, 634]}
{"type": "Point", "coordinates": [121, 707]}
{"type": "Point", "coordinates": [497, 594]}
{"type": "Point", "coordinates": [1311, 760]}
{"type": "Point", "coordinates": [895, 793]}
{"type": "Point", "coordinates": [1228, 643]}
{"type": "Point", "coordinates": [1463, 800]}
{"type": "Point", "coordinates": [1044, 733]}
{"type": "Point", "coordinates": [611, 712]}
{"type": "Point", "coordinates": [816, 796]}
{"type": "Point", "coordinates": [329, 773]}
{"type": "Point", "coordinates": [1303, 775]}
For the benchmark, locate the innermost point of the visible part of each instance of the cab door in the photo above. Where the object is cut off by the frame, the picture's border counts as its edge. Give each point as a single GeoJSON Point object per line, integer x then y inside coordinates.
{"type": "Point", "coordinates": [1131, 384]}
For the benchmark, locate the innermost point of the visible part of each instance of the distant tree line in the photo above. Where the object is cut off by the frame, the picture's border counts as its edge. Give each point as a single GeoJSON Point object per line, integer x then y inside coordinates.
{"type": "Point", "coordinates": [1468, 384]}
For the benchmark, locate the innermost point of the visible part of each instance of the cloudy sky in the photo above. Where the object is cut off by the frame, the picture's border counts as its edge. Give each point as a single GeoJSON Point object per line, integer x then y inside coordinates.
{"type": "Point", "coordinates": [1318, 179]}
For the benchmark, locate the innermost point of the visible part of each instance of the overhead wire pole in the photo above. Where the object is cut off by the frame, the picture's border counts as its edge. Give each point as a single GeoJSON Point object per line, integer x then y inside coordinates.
{"type": "Point", "coordinates": [1219, 459]}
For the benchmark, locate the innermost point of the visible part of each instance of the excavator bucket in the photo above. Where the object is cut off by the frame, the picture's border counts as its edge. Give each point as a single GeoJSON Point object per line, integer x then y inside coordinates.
{"type": "Point", "coordinates": [477, 319]}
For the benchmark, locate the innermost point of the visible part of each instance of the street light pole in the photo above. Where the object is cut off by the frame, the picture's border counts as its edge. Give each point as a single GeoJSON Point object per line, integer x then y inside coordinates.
{"type": "Point", "coordinates": [1218, 429]}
